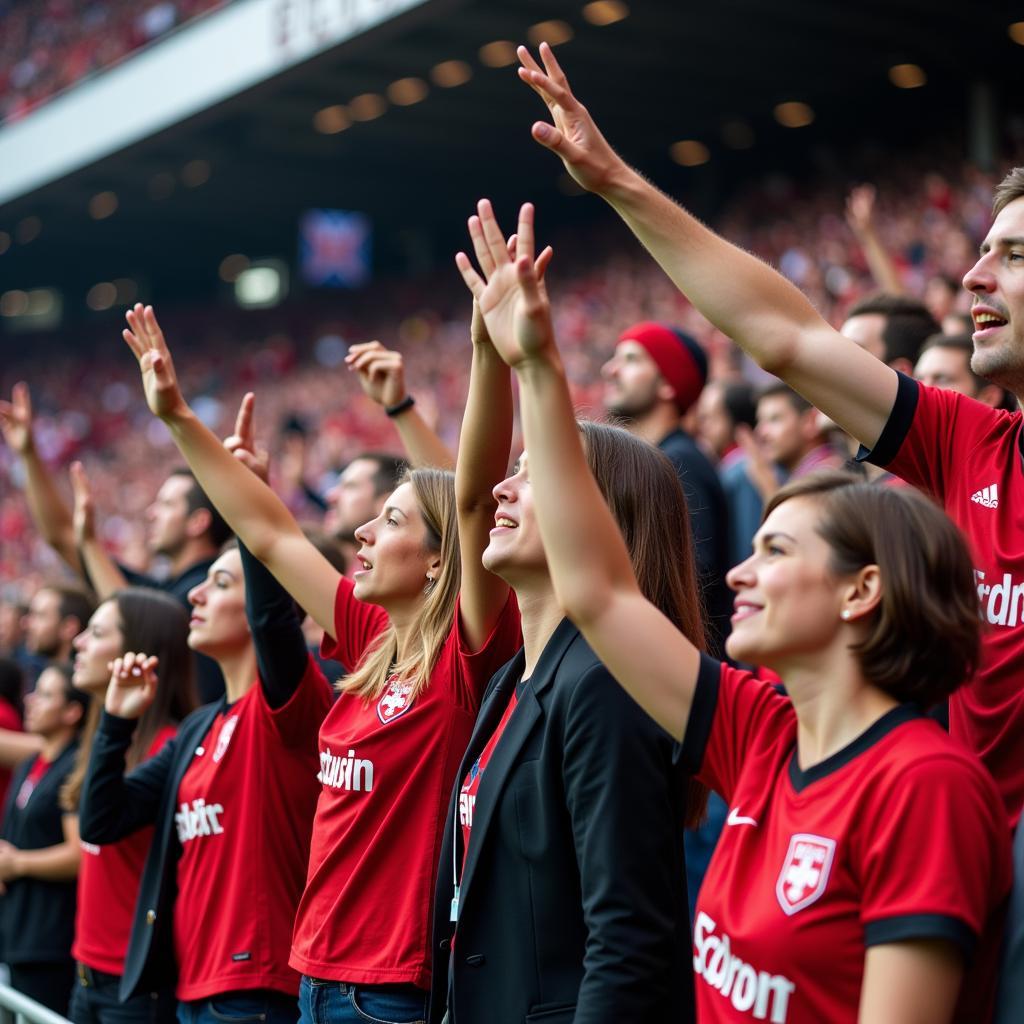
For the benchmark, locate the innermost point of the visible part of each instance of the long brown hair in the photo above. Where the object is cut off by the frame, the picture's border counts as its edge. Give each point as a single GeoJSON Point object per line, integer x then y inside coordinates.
{"type": "Point", "coordinates": [435, 496]}
{"type": "Point", "coordinates": [642, 489]}
{"type": "Point", "coordinates": [925, 634]}
{"type": "Point", "coordinates": [153, 623]}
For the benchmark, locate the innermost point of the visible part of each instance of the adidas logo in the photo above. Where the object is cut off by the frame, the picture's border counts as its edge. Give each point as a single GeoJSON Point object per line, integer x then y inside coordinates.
{"type": "Point", "coordinates": [987, 496]}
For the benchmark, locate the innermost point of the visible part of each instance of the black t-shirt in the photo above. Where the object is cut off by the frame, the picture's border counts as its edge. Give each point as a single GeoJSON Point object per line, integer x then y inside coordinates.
{"type": "Point", "coordinates": [37, 917]}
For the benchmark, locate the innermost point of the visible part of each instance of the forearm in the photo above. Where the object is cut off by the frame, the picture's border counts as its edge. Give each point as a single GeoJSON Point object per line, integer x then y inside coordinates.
{"type": "Point", "coordinates": [48, 509]}
{"type": "Point", "coordinates": [102, 571]}
{"type": "Point", "coordinates": [16, 747]}
{"type": "Point", "coordinates": [51, 864]}
{"type": "Point", "coordinates": [485, 438]}
{"type": "Point", "coordinates": [252, 510]}
{"type": "Point", "coordinates": [880, 263]}
{"type": "Point", "coordinates": [422, 445]}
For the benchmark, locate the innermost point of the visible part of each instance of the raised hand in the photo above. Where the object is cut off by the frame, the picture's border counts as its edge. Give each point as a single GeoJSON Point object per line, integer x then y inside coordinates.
{"type": "Point", "coordinates": [242, 443]}
{"type": "Point", "coordinates": [381, 372]}
{"type": "Point", "coordinates": [84, 515]}
{"type": "Point", "coordinates": [860, 209]}
{"type": "Point", "coordinates": [146, 340]}
{"type": "Point", "coordinates": [574, 137]}
{"type": "Point", "coordinates": [510, 295]}
{"type": "Point", "coordinates": [16, 420]}
{"type": "Point", "coordinates": [133, 683]}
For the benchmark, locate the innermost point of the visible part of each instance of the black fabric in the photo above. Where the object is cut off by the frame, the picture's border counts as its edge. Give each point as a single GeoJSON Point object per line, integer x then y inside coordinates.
{"type": "Point", "coordinates": [690, 753]}
{"type": "Point", "coordinates": [46, 983]}
{"type": "Point", "coordinates": [573, 896]}
{"type": "Point", "coordinates": [921, 926]}
{"type": "Point", "coordinates": [898, 425]}
{"type": "Point", "coordinates": [281, 655]}
{"type": "Point", "coordinates": [875, 732]}
{"type": "Point", "coordinates": [95, 1000]}
{"type": "Point", "coordinates": [37, 917]}
{"type": "Point", "coordinates": [709, 524]}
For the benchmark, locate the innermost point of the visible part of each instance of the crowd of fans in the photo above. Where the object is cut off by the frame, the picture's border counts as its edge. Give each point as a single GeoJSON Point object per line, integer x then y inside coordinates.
{"type": "Point", "coordinates": [48, 46]}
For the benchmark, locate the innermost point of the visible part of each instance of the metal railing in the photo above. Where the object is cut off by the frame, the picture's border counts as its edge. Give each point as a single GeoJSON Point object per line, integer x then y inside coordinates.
{"type": "Point", "coordinates": [15, 1002]}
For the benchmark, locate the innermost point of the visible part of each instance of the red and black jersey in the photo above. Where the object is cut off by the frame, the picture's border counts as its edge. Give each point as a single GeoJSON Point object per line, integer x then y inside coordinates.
{"type": "Point", "coordinates": [108, 884]}
{"type": "Point", "coordinates": [244, 816]}
{"type": "Point", "coordinates": [387, 767]}
{"type": "Point", "coordinates": [898, 836]}
{"type": "Point", "coordinates": [970, 457]}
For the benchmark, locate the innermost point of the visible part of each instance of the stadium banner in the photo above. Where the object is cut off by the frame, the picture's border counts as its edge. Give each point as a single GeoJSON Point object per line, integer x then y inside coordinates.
{"type": "Point", "coordinates": [334, 248]}
{"type": "Point", "coordinates": [226, 52]}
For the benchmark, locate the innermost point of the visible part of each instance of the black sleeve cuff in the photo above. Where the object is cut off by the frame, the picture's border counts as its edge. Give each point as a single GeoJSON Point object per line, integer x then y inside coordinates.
{"type": "Point", "coordinates": [117, 728]}
{"type": "Point", "coordinates": [690, 753]}
{"type": "Point", "coordinates": [921, 926]}
{"type": "Point", "coordinates": [898, 425]}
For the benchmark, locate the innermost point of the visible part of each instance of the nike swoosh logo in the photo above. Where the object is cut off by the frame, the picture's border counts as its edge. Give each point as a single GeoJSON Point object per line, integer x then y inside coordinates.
{"type": "Point", "coordinates": [735, 818]}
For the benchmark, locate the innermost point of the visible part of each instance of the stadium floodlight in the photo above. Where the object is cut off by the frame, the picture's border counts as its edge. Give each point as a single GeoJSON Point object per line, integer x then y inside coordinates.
{"type": "Point", "coordinates": [450, 73]}
{"type": "Point", "coordinates": [367, 107]}
{"type": "Point", "coordinates": [1016, 32]}
{"type": "Point", "coordinates": [605, 12]}
{"type": "Point", "coordinates": [331, 120]}
{"type": "Point", "coordinates": [794, 114]}
{"type": "Point", "coordinates": [231, 266]}
{"type": "Point", "coordinates": [263, 285]}
{"type": "Point", "coordinates": [406, 91]}
{"type": "Point", "coordinates": [690, 153]}
{"type": "Point", "coordinates": [499, 54]}
{"type": "Point", "coordinates": [907, 76]}
{"type": "Point", "coordinates": [38, 309]}
{"type": "Point", "coordinates": [554, 33]}
{"type": "Point", "coordinates": [103, 205]}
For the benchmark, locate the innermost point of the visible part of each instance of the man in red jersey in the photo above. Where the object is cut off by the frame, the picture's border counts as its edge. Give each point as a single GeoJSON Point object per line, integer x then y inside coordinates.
{"type": "Point", "coordinates": [968, 455]}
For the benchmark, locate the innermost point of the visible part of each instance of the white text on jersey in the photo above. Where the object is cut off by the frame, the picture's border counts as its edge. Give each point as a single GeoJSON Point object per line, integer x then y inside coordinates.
{"type": "Point", "coordinates": [351, 772]}
{"type": "Point", "coordinates": [754, 992]}
{"type": "Point", "coordinates": [467, 804]}
{"type": "Point", "coordinates": [201, 819]}
{"type": "Point", "coordinates": [1002, 604]}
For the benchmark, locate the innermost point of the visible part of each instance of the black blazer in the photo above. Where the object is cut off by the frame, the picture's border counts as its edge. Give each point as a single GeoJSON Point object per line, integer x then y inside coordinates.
{"type": "Point", "coordinates": [572, 905]}
{"type": "Point", "coordinates": [113, 805]}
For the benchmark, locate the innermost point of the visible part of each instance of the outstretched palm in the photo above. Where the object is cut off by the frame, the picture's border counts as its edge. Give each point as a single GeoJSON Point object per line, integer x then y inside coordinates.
{"type": "Point", "coordinates": [159, 381]}
{"type": "Point", "coordinates": [16, 419]}
{"type": "Point", "coordinates": [510, 295]}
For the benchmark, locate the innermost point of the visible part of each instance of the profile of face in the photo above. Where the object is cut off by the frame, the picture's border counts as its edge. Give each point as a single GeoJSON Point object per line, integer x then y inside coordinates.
{"type": "Point", "coordinates": [782, 430]}
{"type": "Point", "coordinates": [43, 625]}
{"type": "Point", "coordinates": [167, 517]}
{"type": "Point", "coordinates": [997, 283]}
{"type": "Point", "coordinates": [218, 626]}
{"type": "Point", "coordinates": [354, 500]}
{"type": "Point", "coordinates": [95, 647]}
{"type": "Point", "coordinates": [714, 424]}
{"type": "Point", "coordinates": [788, 600]}
{"type": "Point", "coordinates": [47, 709]}
{"type": "Point", "coordinates": [946, 368]}
{"type": "Point", "coordinates": [633, 384]}
{"type": "Point", "coordinates": [514, 550]}
{"type": "Point", "coordinates": [10, 626]}
{"type": "Point", "coordinates": [866, 330]}
{"type": "Point", "coordinates": [395, 560]}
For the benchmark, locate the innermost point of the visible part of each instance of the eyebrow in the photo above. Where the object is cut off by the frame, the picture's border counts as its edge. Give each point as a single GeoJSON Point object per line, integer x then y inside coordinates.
{"type": "Point", "coordinates": [395, 508]}
{"type": "Point", "coordinates": [222, 572]}
{"type": "Point", "coordinates": [767, 538]}
{"type": "Point", "coordinates": [1003, 243]}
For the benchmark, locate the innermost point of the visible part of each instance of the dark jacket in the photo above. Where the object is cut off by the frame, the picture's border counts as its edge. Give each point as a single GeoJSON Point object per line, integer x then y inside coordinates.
{"type": "Point", "coordinates": [572, 905]}
{"type": "Point", "coordinates": [37, 916]}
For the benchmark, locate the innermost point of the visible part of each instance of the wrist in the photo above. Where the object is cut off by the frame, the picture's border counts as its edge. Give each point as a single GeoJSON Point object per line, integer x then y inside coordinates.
{"type": "Point", "coordinates": [17, 865]}
{"type": "Point", "coordinates": [544, 362]}
{"type": "Point", "coordinates": [179, 413]}
{"type": "Point", "coordinates": [622, 184]}
{"type": "Point", "coordinates": [398, 408]}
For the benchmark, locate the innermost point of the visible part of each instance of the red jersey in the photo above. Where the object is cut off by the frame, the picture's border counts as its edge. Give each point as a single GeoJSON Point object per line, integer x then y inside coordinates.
{"type": "Point", "coordinates": [108, 885]}
{"type": "Point", "coordinates": [898, 836]}
{"type": "Point", "coordinates": [245, 813]}
{"type": "Point", "coordinates": [387, 768]}
{"type": "Point", "coordinates": [9, 719]}
{"type": "Point", "coordinates": [969, 457]}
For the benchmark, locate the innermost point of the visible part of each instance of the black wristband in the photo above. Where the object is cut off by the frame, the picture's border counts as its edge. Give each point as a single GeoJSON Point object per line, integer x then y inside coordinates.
{"type": "Point", "coordinates": [396, 410]}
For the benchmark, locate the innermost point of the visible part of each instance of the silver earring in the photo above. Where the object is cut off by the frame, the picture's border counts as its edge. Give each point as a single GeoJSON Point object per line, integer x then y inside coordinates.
{"type": "Point", "coordinates": [430, 584]}
{"type": "Point", "coordinates": [846, 614]}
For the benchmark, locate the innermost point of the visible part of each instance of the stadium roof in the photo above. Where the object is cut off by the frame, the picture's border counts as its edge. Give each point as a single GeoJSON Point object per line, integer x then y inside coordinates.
{"type": "Point", "coordinates": [669, 71]}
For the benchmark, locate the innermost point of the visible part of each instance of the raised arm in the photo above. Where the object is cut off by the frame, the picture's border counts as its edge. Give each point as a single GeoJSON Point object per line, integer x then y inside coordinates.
{"type": "Point", "coordinates": [50, 514]}
{"type": "Point", "coordinates": [256, 514]}
{"type": "Point", "coordinates": [860, 215]}
{"type": "Point", "coordinates": [381, 373]}
{"type": "Point", "coordinates": [102, 570]}
{"type": "Point", "coordinates": [587, 557]}
{"type": "Point", "coordinates": [741, 295]}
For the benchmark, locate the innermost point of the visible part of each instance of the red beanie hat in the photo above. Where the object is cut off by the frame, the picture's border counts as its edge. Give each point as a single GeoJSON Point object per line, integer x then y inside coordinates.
{"type": "Point", "coordinates": [679, 357]}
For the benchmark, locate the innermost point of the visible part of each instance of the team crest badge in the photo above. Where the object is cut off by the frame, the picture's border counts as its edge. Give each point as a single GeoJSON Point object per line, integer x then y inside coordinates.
{"type": "Point", "coordinates": [805, 872]}
{"type": "Point", "coordinates": [395, 702]}
{"type": "Point", "coordinates": [227, 730]}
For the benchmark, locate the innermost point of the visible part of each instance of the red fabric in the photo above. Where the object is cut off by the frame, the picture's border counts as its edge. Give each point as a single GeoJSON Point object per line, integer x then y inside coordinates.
{"type": "Point", "coordinates": [956, 449]}
{"type": "Point", "coordinates": [9, 719]}
{"type": "Point", "coordinates": [387, 769]}
{"type": "Point", "coordinates": [471, 783]}
{"type": "Point", "coordinates": [108, 885]}
{"type": "Point", "coordinates": [245, 813]}
{"type": "Point", "coordinates": [910, 825]}
{"type": "Point", "coordinates": [39, 768]}
{"type": "Point", "coordinates": [673, 359]}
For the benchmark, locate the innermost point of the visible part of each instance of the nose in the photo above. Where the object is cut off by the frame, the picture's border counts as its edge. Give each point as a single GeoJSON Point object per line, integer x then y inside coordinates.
{"type": "Point", "coordinates": [740, 576]}
{"type": "Point", "coordinates": [197, 595]}
{"type": "Point", "coordinates": [364, 533]}
{"type": "Point", "coordinates": [79, 642]}
{"type": "Point", "coordinates": [610, 368]}
{"type": "Point", "coordinates": [505, 491]}
{"type": "Point", "coordinates": [980, 279]}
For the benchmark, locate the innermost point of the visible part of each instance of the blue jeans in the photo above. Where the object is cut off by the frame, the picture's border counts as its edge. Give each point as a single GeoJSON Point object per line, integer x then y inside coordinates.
{"type": "Point", "coordinates": [260, 1006]}
{"type": "Point", "coordinates": [337, 1002]}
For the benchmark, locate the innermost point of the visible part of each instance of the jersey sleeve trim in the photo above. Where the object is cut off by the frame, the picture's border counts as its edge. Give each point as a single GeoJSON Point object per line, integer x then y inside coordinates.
{"type": "Point", "coordinates": [897, 426]}
{"type": "Point", "coordinates": [921, 926]}
{"type": "Point", "coordinates": [690, 753]}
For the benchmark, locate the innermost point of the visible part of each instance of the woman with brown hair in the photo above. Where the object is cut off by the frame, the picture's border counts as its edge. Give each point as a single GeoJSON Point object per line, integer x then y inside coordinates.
{"type": "Point", "coordinates": [865, 854]}
{"type": "Point", "coordinates": [134, 619]}
{"type": "Point", "coordinates": [424, 627]}
{"type": "Point", "coordinates": [562, 889]}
